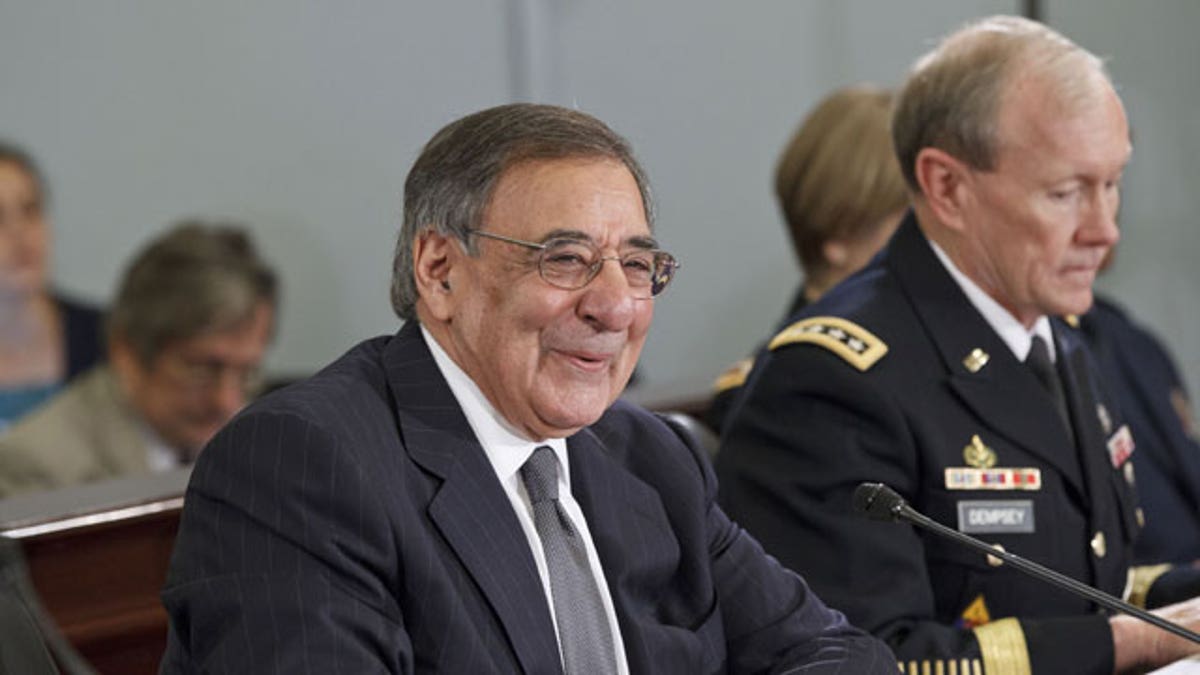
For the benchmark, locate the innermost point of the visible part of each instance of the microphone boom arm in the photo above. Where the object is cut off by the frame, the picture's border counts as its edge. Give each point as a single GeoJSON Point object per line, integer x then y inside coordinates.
{"type": "Point", "coordinates": [880, 502]}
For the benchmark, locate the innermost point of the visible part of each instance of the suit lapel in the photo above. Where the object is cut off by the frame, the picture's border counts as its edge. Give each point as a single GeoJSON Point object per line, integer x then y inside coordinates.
{"type": "Point", "coordinates": [1003, 393]}
{"type": "Point", "coordinates": [470, 508]}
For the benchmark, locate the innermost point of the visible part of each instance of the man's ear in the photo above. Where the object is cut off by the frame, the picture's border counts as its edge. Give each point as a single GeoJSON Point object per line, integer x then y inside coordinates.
{"type": "Point", "coordinates": [945, 185]}
{"type": "Point", "coordinates": [434, 256]}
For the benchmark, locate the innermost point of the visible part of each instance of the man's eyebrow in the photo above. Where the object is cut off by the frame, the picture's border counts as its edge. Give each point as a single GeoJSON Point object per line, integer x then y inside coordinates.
{"type": "Point", "coordinates": [640, 241]}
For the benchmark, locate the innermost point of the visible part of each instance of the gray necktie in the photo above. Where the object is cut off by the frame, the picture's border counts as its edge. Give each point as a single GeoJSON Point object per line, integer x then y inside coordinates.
{"type": "Point", "coordinates": [584, 636]}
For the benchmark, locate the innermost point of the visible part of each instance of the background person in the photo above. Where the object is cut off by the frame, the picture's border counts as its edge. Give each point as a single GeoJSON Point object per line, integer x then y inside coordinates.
{"type": "Point", "coordinates": [186, 337]}
{"type": "Point", "coordinates": [45, 338]}
{"type": "Point", "coordinates": [1140, 371]}
{"type": "Point", "coordinates": [842, 196]}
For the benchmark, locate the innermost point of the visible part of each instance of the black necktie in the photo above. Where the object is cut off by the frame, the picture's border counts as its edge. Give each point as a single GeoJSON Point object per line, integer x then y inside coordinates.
{"type": "Point", "coordinates": [1039, 362]}
{"type": "Point", "coordinates": [584, 635]}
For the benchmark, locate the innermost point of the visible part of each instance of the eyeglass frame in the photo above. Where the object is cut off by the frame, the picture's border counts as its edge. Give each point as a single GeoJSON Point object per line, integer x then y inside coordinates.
{"type": "Point", "coordinates": [671, 262]}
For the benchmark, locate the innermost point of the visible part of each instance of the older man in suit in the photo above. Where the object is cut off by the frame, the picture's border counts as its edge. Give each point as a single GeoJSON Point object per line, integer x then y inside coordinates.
{"type": "Point", "coordinates": [465, 496]}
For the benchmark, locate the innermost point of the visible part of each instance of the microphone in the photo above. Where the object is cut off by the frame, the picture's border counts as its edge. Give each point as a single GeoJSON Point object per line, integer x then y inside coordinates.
{"type": "Point", "coordinates": [879, 502]}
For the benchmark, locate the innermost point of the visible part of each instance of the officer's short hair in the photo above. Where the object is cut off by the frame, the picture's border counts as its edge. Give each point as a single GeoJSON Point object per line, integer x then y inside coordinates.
{"type": "Point", "coordinates": [951, 100]}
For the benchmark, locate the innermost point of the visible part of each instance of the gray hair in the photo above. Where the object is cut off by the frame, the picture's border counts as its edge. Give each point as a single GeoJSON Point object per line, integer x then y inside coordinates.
{"type": "Point", "coordinates": [951, 100]}
{"type": "Point", "coordinates": [451, 183]}
{"type": "Point", "coordinates": [197, 278]}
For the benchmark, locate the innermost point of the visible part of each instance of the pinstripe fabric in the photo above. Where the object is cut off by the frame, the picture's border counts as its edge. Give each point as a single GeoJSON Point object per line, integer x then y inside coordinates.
{"type": "Point", "coordinates": [352, 524]}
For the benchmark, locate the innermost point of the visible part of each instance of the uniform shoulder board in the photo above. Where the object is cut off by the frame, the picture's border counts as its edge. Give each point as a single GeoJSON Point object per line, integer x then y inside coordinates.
{"type": "Point", "coordinates": [734, 376]}
{"type": "Point", "coordinates": [856, 345]}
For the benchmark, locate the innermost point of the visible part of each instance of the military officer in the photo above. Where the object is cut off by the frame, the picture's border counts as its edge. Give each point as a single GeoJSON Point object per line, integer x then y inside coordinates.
{"type": "Point", "coordinates": [940, 370]}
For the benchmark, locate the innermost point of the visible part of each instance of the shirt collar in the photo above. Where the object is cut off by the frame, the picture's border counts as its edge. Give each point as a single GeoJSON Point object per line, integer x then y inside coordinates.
{"type": "Point", "coordinates": [1010, 330]}
{"type": "Point", "coordinates": [506, 449]}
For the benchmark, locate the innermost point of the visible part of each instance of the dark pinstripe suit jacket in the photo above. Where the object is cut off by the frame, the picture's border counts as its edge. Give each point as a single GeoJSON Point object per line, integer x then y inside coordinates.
{"type": "Point", "coordinates": [352, 524]}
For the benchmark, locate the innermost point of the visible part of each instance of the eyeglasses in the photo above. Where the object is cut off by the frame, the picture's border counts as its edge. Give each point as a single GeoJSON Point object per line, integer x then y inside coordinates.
{"type": "Point", "coordinates": [208, 374]}
{"type": "Point", "coordinates": [571, 264]}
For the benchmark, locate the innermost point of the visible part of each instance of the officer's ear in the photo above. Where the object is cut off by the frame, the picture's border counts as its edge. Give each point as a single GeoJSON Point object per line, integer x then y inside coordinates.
{"type": "Point", "coordinates": [946, 185]}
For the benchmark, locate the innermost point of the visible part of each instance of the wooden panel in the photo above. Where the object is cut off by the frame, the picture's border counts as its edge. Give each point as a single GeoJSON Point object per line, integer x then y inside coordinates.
{"type": "Point", "coordinates": [101, 585]}
{"type": "Point", "coordinates": [98, 558]}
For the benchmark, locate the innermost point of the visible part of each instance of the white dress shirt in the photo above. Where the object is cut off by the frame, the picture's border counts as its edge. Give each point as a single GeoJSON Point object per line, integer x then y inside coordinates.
{"type": "Point", "coordinates": [507, 451]}
{"type": "Point", "coordinates": [1013, 332]}
{"type": "Point", "coordinates": [160, 456]}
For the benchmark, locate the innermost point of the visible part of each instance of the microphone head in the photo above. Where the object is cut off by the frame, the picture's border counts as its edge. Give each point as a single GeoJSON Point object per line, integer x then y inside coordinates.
{"type": "Point", "coordinates": [877, 501]}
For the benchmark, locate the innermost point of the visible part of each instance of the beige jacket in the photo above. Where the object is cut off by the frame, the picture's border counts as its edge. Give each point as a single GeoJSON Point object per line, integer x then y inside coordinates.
{"type": "Point", "coordinates": [88, 432]}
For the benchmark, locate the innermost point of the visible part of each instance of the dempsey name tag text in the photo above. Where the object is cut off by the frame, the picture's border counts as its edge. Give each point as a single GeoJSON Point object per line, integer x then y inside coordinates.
{"type": "Point", "coordinates": [1013, 516]}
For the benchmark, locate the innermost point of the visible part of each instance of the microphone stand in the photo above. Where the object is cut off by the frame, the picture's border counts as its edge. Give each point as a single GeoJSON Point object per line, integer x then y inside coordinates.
{"type": "Point", "coordinates": [894, 507]}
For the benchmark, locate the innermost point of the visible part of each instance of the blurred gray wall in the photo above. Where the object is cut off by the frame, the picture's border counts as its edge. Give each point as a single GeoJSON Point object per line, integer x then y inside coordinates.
{"type": "Point", "coordinates": [302, 117]}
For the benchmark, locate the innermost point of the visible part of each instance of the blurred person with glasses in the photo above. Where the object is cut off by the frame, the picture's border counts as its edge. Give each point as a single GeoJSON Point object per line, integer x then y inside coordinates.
{"type": "Point", "coordinates": [469, 495]}
{"type": "Point", "coordinates": [187, 334]}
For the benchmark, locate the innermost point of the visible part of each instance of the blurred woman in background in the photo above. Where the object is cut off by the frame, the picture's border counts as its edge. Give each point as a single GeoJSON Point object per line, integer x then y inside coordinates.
{"type": "Point", "coordinates": [842, 196]}
{"type": "Point", "coordinates": [45, 338]}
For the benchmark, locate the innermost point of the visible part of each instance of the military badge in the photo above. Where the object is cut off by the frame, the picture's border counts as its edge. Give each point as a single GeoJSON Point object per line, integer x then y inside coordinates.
{"type": "Point", "coordinates": [856, 345]}
{"type": "Point", "coordinates": [970, 478]}
{"type": "Point", "coordinates": [734, 376]}
{"type": "Point", "coordinates": [976, 614]}
{"type": "Point", "coordinates": [976, 360]}
{"type": "Point", "coordinates": [978, 455]}
{"type": "Point", "coordinates": [1120, 446]}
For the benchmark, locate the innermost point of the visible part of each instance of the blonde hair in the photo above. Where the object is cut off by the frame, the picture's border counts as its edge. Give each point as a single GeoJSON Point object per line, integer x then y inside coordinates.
{"type": "Point", "coordinates": [837, 178]}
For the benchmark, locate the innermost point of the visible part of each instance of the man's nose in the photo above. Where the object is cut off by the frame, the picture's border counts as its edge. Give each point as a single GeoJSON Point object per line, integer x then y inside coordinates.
{"type": "Point", "coordinates": [228, 393]}
{"type": "Point", "coordinates": [608, 302]}
{"type": "Point", "coordinates": [1100, 221]}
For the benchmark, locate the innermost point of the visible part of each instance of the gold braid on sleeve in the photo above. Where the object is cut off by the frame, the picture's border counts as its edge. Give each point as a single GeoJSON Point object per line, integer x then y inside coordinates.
{"type": "Point", "coordinates": [1002, 646]}
{"type": "Point", "coordinates": [1140, 581]}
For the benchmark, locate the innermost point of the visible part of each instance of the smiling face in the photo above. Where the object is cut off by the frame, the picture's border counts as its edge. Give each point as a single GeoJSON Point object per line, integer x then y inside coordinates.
{"type": "Point", "coordinates": [24, 232]}
{"type": "Point", "coordinates": [550, 360]}
{"type": "Point", "coordinates": [1038, 225]}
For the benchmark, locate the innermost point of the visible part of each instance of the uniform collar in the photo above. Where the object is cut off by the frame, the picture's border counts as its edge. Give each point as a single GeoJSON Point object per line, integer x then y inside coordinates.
{"type": "Point", "coordinates": [1012, 332]}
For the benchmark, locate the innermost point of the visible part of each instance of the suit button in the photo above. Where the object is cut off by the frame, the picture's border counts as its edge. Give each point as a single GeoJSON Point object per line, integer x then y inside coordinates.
{"type": "Point", "coordinates": [1099, 547]}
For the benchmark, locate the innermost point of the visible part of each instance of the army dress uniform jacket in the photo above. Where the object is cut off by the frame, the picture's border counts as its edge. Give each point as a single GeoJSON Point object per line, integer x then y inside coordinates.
{"type": "Point", "coordinates": [895, 377]}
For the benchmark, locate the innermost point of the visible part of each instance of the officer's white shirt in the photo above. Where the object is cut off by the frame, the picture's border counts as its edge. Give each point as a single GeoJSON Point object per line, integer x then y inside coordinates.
{"type": "Point", "coordinates": [1015, 335]}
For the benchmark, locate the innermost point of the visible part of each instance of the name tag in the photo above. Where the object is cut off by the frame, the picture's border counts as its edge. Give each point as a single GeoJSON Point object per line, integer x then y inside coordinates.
{"type": "Point", "coordinates": [992, 517]}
